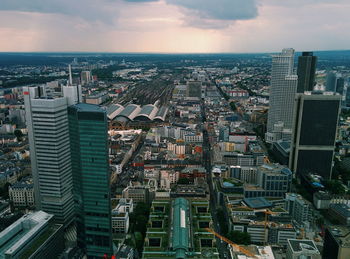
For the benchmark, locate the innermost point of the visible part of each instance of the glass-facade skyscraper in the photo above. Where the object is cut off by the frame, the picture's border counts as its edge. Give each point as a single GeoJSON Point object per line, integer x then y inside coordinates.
{"type": "Point", "coordinates": [315, 127]}
{"type": "Point", "coordinates": [331, 82]}
{"type": "Point", "coordinates": [91, 178]}
{"type": "Point", "coordinates": [306, 72]}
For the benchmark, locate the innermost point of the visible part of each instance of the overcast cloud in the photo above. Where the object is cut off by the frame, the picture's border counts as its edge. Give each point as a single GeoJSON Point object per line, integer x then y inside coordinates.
{"type": "Point", "coordinates": [173, 25]}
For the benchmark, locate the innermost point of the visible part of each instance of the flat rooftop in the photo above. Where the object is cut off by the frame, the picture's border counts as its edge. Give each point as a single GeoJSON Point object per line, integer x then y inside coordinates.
{"type": "Point", "coordinates": [341, 235]}
{"type": "Point", "coordinates": [22, 231]}
{"type": "Point", "coordinates": [303, 245]}
{"type": "Point", "coordinates": [257, 202]}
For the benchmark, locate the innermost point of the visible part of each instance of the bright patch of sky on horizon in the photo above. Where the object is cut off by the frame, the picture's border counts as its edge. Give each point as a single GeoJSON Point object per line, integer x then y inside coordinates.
{"type": "Point", "coordinates": [174, 26]}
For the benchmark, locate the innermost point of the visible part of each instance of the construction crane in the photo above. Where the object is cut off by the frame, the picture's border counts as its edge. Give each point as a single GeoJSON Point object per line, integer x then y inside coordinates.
{"type": "Point", "coordinates": [267, 160]}
{"type": "Point", "coordinates": [239, 248]}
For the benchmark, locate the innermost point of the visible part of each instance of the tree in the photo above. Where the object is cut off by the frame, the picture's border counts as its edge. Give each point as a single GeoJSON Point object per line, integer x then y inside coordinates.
{"type": "Point", "coordinates": [320, 221]}
{"type": "Point", "coordinates": [183, 181]}
{"type": "Point", "coordinates": [4, 191]}
{"type": "Point", "coordinates": [233, 106]}
{"type": "Point", "coordinates": [18, 134]}
{"type": "Point", "coordinates": [141, 223]}
{"type": "Point", "coordinates": [138, 222]}
{"type": "Point", "coordinates": [139, 241]}
{"type": "Point", "coordinates": [240, 238]}
{"type": "Point", "coordinates": [335, 187]}
{"type": "Point", "coordinates": [222, 221]}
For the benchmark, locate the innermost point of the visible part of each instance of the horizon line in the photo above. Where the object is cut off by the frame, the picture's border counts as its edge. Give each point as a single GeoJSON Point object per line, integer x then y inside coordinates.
{"type": "Point", "coordinates": [154, 53]}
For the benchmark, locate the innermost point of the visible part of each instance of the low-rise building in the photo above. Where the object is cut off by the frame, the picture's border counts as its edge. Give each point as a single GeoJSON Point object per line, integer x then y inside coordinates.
{"type": "Point", "coordinates": [22, 193]}
{"type": "Point", "coordinates": [97, 98]}
{"type": "Point", "coordinates": [299, 208]}
{"type": "Point", "coordinates": [321, 200]}
{"type": "Point", "coordinates": [120, 215]}
{"type": "Point", "coordinates": [137, 192]}
{"type": "Point", "coordinates": [177, 229]}
{"type": "Point", "coordinates": [32, 236]}
{"type": "Point", "coordinates": [273, 180]}
{"type": "Point", "coordinates": [297, 249]}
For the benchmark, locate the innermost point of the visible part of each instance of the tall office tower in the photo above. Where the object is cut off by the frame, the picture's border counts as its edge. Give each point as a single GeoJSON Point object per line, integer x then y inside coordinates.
{"type": "Point", "coordinates": [347, 97]}
{"type": "Point", "coordinates": [306, 72]}
{"type": "Point", "coordinates": [48, 133]}
{"type": "Point", "coordinates": [282, 92]}
{"type": "Point", "coordinates": [91, 190]}
{"type": "Point", "coordinates": [339, 86]}
{"type": "Point", "coordinates": [314, 132]}
{"type": "Point", "coordinates": [330, 82]}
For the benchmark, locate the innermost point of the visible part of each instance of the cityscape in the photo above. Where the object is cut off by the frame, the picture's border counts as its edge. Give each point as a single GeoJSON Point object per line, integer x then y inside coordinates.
{"type": "Point", "coordinates": [163, 148]}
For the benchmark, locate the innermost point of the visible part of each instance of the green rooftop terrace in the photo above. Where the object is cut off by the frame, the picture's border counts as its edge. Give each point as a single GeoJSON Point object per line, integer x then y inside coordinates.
{"type": "Point", "coordinates": [182, 233]}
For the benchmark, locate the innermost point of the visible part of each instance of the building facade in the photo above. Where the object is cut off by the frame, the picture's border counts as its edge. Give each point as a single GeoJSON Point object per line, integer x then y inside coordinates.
{"type": "Point", "coordinates": [48, 133]}
{"type": "Point", "coordinates": [314, 133]}
{"type": "Point", "coordinates": [33, 236]}
{"type": "Point", "coordinates": [306, 72]}
{"type": "Point", "coordinates": [282, 91]}
{"type": "Point", "coordinates": [91, 178]}
{"type": "Point", "coordinates": [297, 248]}
{"type": "Point", "coordinates": [22, 193]}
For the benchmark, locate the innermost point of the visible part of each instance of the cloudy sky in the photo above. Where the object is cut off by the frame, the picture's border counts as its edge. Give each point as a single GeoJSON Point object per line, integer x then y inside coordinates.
{"type": "Point", "coordinates": [175, 26]}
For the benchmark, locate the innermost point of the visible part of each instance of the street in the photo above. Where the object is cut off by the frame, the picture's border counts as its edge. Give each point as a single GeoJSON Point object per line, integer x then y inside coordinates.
{"type": "Point", "coordinates": [222, 246]}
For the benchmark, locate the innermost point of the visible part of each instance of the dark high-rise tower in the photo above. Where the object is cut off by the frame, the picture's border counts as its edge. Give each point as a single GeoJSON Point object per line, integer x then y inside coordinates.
{"type": "Point", "coordinates": [330, 82]}
{"type": "Point", "coordinates": [314, 132]}
{"type": "Point", "coordinates": [340, 85]}
{"type": "Point", "coordinates": [306, 72]}
{"type": "Point", "coordinates": [91, 190]}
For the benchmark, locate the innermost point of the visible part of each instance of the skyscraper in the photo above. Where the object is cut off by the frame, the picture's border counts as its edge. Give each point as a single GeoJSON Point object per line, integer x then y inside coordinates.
{"type": "Point", "coordinates": [306, 72]}
{"type": "Point", "coordinates": [91, 175]}
{"type": "Point", "coordinates": [340, 85]}
{"type": "Point", "coordinates": [314, 132]}
{"type": "Point", "coordinates": [282, 92]}
{"type": "Point", "coordinates": [330, 82]}
{"type": "Point", "coordinates": [47, 123]}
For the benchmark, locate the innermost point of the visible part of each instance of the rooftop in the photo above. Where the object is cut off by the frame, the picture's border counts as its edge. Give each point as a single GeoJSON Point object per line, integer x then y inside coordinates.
{"type": "Point", "coordinates": [257, 203]}
{"type": "Point", "coordinates": [86, 107]}
{"type": "Point", "coordinates": [298, 245]}
{"type": "Point", "coordinates": [341, 234]}
{"type": "Point", "coordinates": [17, 235]}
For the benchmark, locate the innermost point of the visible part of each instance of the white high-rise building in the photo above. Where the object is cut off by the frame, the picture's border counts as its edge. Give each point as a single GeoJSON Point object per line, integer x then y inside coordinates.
{"type": "Point", "coordinates": [284, 83]}
{"type": "Point", "coordinates": [48, 133]}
